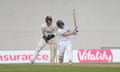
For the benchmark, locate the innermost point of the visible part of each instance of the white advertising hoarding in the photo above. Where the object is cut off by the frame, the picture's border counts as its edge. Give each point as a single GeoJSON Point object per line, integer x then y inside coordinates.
{"type": "Point", "coordinates": [23, 56]}
{"type": "Point", "coordinates": [79, 56]}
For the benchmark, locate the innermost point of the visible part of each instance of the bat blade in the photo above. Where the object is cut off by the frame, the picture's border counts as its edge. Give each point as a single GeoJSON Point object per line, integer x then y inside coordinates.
{"type": "Point", "coordinates": [74, 18]}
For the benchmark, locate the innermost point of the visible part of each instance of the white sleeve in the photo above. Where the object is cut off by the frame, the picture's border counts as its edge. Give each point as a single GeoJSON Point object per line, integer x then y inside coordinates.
{"type": "Point", "coordinates": [42, 27]}
{"type": "Point", "coordinates": [60, 32]}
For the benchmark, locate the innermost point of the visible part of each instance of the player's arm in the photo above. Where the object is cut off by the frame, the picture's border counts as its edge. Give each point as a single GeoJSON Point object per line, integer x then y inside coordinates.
{"type": "Point", "coordinates": [68, 33]}
{"type": "Point", "coordinates": [42, 29]}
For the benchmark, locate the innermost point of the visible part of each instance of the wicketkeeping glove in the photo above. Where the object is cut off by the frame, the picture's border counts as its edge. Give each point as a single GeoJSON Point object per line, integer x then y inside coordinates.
{"type": "Point", "coordinates": [47, 38]}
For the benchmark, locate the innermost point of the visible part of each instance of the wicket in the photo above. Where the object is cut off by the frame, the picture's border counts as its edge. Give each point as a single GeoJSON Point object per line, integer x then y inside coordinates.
{"type": "Point", "coordinates": [53, 52]}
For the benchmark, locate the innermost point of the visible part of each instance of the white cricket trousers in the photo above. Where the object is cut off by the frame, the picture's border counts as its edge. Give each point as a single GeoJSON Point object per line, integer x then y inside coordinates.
{"type": "Point", "coordinates": [42, 43]}
{"type": "Point", "coordinates": [65, 45]}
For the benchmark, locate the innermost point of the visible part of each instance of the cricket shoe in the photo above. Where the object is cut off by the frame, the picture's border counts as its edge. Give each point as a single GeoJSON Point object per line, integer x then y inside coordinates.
{"type": "Point", "coordinates": [31, 62]}
{"type": "Point", "coordinates": [70, 62]}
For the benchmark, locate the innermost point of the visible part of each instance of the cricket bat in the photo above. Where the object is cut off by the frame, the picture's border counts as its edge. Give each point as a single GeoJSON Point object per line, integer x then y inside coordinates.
{"type": "Point", "coordinates": [74, 19]}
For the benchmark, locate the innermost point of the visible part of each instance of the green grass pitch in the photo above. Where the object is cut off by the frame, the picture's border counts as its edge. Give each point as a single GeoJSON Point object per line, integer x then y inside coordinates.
{"type": "Point", "coordinates": [84, 67]}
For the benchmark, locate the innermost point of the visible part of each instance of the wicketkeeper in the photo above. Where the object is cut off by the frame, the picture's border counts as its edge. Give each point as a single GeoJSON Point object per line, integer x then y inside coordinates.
{"type": "Point", "coordinates": [48, 32]}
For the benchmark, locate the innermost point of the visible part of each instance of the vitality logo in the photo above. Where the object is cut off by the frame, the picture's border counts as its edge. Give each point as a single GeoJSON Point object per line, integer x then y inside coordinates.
{"type": "Point", "coordinates": [99, 55]}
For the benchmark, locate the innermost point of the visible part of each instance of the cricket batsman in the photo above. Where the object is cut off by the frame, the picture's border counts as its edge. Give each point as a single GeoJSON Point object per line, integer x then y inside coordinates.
{"type": "Point", "coordinates": [48, 33]}
{"type": "Point", "coordinates": [64, 41]}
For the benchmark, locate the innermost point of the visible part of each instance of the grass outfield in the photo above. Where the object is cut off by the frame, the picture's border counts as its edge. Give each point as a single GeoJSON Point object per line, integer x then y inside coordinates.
{"type": "Point", "coordinates": [87, 67]}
